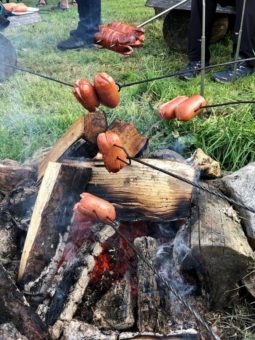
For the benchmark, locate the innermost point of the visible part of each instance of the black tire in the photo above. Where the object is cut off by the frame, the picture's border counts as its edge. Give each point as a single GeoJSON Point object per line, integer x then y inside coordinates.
{"type": "Point", "coordinates": [176, 25]}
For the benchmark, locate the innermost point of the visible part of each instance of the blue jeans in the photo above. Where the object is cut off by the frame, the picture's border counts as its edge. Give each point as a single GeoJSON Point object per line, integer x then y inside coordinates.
{"type": "Point", "coordinates": [90, 18]}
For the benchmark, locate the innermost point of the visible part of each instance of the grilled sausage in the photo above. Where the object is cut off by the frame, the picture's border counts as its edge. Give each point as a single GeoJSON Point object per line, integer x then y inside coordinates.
{"type": "Point", "coordinates": [111, 153]}
{"type": "Point", "coordinates": [85, 92]}
{"type": "Point", "coordinates": [167, 110]}
{"type": "Point", "coordinates": [107, 90]}
{"type": "Point", "coordinates": [190, 108]}
{"type": "Point", "coordinates": [96, 208]}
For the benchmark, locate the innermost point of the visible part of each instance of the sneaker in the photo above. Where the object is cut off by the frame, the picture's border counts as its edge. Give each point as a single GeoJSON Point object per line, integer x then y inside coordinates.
{"type": "Point", "coordinates": [227, 75]}
{"type": "Point", "coordinates": [73, 42]}
{"type": "Point", "coordinates": [191, 70]}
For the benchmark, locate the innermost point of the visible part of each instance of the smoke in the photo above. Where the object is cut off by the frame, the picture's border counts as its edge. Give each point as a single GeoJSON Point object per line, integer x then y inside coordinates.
{"type": "Point", "coordinates": [172, 260]}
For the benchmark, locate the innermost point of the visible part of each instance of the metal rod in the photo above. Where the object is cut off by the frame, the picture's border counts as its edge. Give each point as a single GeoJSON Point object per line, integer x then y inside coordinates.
{"type": "Point", "coordinates": [162, 13]}
{"type": "Point", "coordinates": [37, 74]}
{"type": "Point", "coordinates": [170, 75]}
{"type": "Point", "coordinates": [239, 40]}
{"type": "Point", "coordinates": [202, 82]}
{"type": "Point", "coordinates": [166, 283]}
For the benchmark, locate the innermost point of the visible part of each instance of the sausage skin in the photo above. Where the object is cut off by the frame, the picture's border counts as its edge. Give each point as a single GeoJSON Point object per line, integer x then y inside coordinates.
{"type": "Point", "coordinates": [106, 89]}
{"type": "Point", "coordinates": [105, 143]}
{"type": "Point", "coordinates": [167, 110]}
{"type": "Point", "coordinates": [95, 208]}
{"type": "Point", "coordinates": [190, 108]}
{"type": "Point", "coordinates": [85, 92]}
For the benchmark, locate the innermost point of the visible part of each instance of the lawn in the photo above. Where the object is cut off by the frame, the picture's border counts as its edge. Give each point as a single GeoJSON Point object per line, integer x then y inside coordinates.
{"type": "Point", "coordinates": [35, 112]}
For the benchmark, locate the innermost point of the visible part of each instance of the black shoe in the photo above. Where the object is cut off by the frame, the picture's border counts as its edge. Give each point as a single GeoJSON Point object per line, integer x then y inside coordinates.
{"type": "Point", "coordinates": [227, 75]}
{"type": "Point", "coordinates": [191, 70]}
{"type": "Point", "coordinates": [73, 42]}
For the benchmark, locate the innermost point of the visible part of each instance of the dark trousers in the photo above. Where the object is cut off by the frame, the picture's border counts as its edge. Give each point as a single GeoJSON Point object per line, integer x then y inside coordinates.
{"type": "Point", "coordinates": [247, 49]}
{"type": "Point", "coordinates": [90, 18]}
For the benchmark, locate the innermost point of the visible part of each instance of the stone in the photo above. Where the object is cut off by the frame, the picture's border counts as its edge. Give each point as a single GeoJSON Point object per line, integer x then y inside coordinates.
{"type": "Point", "coordinates": [240, 186]}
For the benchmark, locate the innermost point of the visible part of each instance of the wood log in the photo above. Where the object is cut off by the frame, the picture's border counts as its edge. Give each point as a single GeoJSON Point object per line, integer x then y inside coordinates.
{"type": "Point", "coordinates": [138, 191]}
{"type": "Point", "coordinates": [79, 330]}
{"type": "Point", "coordinates": [189, 334]}
{"type": "Point", "coordinates": [70, 137]}
{"type": "Point", "coordinates": [115, 309]}
{"type": "Point", "coordinates": [218, 243]}
{"type": "Point", "coordinates": [13, 175]}
{"type": "Point", "coordinates": [148, 294]}
{"type": "Point", "coordinates": [52, 214]}
{"type": "Point", "coordinates": [83, 266]}
{"type": "Point", "coordinates": [15, 309]}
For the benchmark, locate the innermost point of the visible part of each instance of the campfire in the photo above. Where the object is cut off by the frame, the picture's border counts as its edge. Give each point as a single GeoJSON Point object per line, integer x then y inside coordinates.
{"type": "Point", "coordinates": [134, 254]}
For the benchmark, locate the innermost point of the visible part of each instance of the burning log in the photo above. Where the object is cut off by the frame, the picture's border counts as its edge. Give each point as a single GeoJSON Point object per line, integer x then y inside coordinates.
{"type": "Point", "coordinates": [15, 309]}
{"type": "Point", "coordinates": [13, 175]}
{"type": "Point", "coordinates": [79, 330]}
{"type": "Point", "coordinates": [51, 217]}
{"type": "Point", "coordinates": [82, 274]}
{"type": "Point", "coordinates": [218, 243]}
{"type": "Point", "coordinates": [140, 192]}
{"type": "Point", "coordinates": [148, 294]}
{"type": "Point", "coordinates": [9, 331]}
{"type": "Point", "coordinates": [115, 309]}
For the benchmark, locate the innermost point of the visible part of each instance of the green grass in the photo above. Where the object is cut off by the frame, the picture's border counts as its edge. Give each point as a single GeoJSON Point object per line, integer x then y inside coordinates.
{"type": "Point", "coordinates": [35, 112]}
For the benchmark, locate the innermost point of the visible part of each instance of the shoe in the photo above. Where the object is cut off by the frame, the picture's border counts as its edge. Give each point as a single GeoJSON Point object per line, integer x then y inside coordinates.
{"type": "Point", "coordinates": [61, 5]}
{"type": "Point", "coordinates": [191, 70]}
{"type": "Point", "coordinates": [227, 75]}
{"type": "Point", "coordinates": [73, 42]}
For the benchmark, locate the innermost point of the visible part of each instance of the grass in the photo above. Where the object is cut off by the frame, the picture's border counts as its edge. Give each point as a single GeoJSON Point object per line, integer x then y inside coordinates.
{"type": "Point", "coordinates": [35, 112]}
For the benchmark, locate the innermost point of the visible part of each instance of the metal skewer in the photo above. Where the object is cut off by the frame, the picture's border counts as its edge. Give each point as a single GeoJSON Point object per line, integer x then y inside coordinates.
{"type": "Point", "coordinates": [202, 82]}
{"type": "Point", "coordinates": [239, 40]}
{"type": "Point", "coordinates": [162, 13]}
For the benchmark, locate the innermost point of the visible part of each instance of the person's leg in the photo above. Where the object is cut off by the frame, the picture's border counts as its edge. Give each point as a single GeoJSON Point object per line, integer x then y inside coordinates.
{"type": "Point", "coordinates": [195, 31]}
{"type": "Point", "coordinates": [89, 21]}
{"type": "Point", "coordinates": [194, 36]}
{"type": "Point", "coordinates": [90, 17]}
{"type": "Point", "coordinates": [247, 47]}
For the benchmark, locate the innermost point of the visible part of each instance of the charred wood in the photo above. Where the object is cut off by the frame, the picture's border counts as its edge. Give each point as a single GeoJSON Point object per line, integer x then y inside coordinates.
{"type": "Point", "coordinates": [13, 175]}
{"type": "Point", "coordinates": [139, 192]}
{"type": "Point", "coordinates": [15, 309]}
{"type": "Point", "coordinates": [79, 330]}
{"type": "Point", "coordinates": [148, 295]}
{"type": "Point", "coordinates": [51, 217]}
{"type": "Point", "coordinates": [115, 309]}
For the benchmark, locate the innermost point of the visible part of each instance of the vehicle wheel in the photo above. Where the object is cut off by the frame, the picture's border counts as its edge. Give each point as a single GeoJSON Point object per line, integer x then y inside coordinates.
{"type": "Point", "coordinates": [176, 25]}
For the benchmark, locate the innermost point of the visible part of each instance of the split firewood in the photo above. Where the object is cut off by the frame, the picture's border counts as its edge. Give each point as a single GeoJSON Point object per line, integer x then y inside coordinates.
{"type": "Point", "coordinates": [51, 217]}
{"type": "Point", "coordinates": [13, 175]}
{"type": "Point", "coordinates": [132, 141]}
{"type": "Point", "coordinates": [70, 137]}
{"type": "Point", "coordinates": [94, 124]}
{"type": "Point", "coordinates": [9, 331]}
{"type": "Point", "coordinates": [189, 334]}
{"type": "Point", "coordinates": [86, 263]}
{"type": "Point", "coordinates": [115, 310]}
{"type": "Point", "coordinates": [219, 245]}
{"type": "Point", "coordinates": [79, 330]}
{"type": "Point", "coordinates": [138, 191]}
{"type": "Point", "coordinates": [148, 293]}
{"type": "Point", "coordinates": [15, 309]}
{"type": "Point", "coordinates": [240, 185]}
